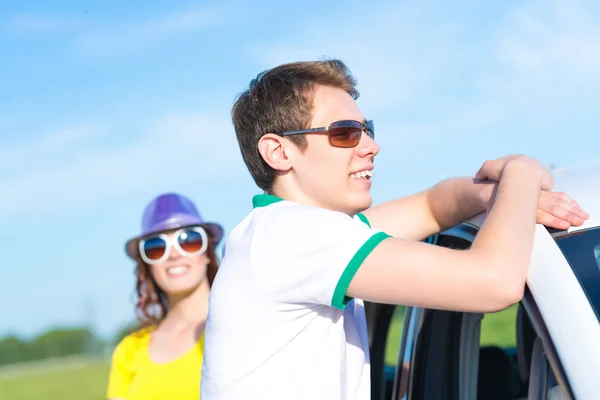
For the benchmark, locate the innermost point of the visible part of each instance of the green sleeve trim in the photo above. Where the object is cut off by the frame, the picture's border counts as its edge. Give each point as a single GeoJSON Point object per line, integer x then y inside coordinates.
{"type": "Point", "coordinates": [364, 219]}
{"type": "Point", "coordinates": [340, 300]}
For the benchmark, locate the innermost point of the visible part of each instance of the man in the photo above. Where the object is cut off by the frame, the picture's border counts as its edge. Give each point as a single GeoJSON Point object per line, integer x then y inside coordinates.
{"type": "Point", "coordinates": [286, 317]}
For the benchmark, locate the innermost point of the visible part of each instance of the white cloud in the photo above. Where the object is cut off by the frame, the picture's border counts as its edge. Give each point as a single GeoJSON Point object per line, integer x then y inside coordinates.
{"type": "Point", "coordinates": [71, 167]}
{"type": "Point", "coordinates": [45, 23]}
{"type": "Point", "coordinates": [428, 74]}
{"type": "Point", "coordinates": [389, 51]}
{"type": "Point", "coordinates": [545, 56]}
{"type": "Point", "coordinates": [119, 39]}
{"type": "Point", "coordinates": [95, 38]}
{"type": "Point", "coordinates": [22, 154]}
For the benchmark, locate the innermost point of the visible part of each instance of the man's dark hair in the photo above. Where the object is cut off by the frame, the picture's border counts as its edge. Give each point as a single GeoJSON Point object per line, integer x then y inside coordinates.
{"type": "Point", "coordinates": [280, 100]}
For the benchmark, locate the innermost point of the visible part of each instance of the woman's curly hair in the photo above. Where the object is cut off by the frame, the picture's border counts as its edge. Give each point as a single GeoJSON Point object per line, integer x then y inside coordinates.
{"type": "Point", "coordinates": [151, 303]}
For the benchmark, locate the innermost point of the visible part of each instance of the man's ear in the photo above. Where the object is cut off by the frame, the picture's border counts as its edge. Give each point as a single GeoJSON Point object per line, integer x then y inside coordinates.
{"type": "Point", "coordinates": [273, 148]}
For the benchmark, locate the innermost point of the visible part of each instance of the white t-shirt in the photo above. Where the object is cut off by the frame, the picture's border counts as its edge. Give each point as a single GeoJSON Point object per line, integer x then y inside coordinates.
{"type": "Point", "coordinates": [280, 325]}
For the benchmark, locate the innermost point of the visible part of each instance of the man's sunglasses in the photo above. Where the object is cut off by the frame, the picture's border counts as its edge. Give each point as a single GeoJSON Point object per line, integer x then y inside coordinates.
{"type": "Point", "coordinates": [344, 134]}
{"type": "Point", "coordinates": [188, 242]}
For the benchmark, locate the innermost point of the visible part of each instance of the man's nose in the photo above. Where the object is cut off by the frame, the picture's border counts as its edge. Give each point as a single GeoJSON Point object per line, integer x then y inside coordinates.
{"type": "Point", "coordinates": [367, 146]}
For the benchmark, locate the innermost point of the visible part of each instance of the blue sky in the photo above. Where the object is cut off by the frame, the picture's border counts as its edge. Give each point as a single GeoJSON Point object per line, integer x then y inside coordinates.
{"type": "Point", "coordinates": [105, 104]}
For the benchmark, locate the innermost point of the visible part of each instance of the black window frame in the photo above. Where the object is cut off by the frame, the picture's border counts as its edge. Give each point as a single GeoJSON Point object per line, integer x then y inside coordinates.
{"type": "Point", "coordinates": [554, 362]}
{"type": "Point", "coordinates": [434, 369]}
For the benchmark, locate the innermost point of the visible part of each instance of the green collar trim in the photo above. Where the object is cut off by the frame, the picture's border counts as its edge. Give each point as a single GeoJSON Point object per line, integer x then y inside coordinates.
{"type": "Point", "coordinates": [263, 200]}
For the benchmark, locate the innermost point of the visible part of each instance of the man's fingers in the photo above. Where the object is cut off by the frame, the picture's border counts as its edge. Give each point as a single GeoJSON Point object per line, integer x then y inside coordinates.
{"type": "Point", "coordinates": [551, 221]}
{"type": "Point", "coordinates": [480, 175]}
{"type": "Point", "coordinates": [560, 206]}
{"type": "Point", "coordinates": [578, 210]}
{"type": "Point", "coordinates": [557, 203]}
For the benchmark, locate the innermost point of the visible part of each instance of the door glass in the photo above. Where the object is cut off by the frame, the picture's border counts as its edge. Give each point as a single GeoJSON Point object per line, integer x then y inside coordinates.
{"type": "Point", "coordinates": [498, 373]}
{"type": "Point", "coordinates": [500, 329]}
{"type": "Point", "coordinates": [392, 344]}
{"type": "Point", "coordinates": [402, 361]}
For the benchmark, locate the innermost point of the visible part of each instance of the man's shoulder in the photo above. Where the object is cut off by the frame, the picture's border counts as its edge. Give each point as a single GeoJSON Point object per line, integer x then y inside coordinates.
{"type": "Point", "coordinates": [288, 221]}
{"type": "Point", "coordinates": [287, 213]}
{"type": "Point", "coordinates": [287, 224]}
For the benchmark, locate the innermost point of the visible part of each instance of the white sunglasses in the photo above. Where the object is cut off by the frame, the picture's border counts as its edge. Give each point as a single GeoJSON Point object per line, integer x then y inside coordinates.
{"type": "Point", "coordinates": [188, 241]}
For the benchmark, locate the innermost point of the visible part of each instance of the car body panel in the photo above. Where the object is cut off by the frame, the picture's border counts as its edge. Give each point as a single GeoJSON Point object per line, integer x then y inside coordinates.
{"type": "Point", "coordinates": [568, 314]}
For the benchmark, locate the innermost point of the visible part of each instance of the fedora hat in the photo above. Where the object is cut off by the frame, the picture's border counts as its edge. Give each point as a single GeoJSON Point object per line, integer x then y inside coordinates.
{"type": "Point", "coordinates": [171, 211]}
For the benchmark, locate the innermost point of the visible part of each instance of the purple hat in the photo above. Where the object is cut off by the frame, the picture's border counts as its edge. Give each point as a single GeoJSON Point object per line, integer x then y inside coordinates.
{"type": "Point", "coordinates": [171, 211]}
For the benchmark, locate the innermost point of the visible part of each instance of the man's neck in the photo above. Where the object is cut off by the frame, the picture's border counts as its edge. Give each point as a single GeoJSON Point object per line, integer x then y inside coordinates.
{"type": "Point", "coordinates": [293, 193]}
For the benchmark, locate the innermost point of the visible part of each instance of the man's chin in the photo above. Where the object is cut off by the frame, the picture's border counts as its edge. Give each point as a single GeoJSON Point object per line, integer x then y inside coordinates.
{"type": "Point", "coordinates": [362, 203]}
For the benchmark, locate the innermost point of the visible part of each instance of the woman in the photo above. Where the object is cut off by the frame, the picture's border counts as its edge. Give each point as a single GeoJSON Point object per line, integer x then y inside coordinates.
{"type": "Point", "coordinates": [175, 267]}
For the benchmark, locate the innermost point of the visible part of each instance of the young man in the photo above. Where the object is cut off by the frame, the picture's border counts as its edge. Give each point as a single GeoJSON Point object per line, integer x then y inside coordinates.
{"type": "Point", "coordinates": [286, 316]}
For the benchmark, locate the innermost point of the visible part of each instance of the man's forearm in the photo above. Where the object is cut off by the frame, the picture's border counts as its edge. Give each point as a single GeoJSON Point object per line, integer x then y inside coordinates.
{"type": "Point", "coordinates": [444, 205]}
{"type": "Point", "coordinates": [456, 200]}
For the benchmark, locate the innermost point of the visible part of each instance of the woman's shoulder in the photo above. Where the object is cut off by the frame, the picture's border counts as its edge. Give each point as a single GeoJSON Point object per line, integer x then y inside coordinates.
{"type": "Point", "coordinates": [133, 342]}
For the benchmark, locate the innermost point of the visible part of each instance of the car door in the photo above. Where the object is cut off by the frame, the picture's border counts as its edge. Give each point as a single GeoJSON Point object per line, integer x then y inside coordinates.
{"type": "Point", "coordinates": [439, 351]}
{"type": "Point", "coordinates": [454, 366]}
{"type": "Point", "coordinates": [427, 355]}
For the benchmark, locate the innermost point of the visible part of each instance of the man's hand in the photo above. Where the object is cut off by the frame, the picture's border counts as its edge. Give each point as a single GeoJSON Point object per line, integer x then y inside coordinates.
{"type": "Point", "coordinates": [492, 169]}
{"type": "Point", "coordinates": [558, 210]}
{"type": "Point", "coordinates": [555, 209]}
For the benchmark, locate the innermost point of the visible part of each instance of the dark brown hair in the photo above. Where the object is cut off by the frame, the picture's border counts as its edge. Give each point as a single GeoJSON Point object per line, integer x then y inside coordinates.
{"type": "Point", "coordinates": [280, 100]}
{"type": "Point", "coordinates": [151, 303]}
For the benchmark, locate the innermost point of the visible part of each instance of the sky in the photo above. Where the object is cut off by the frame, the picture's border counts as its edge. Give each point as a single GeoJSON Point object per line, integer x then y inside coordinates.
{"type": "Point", "coordinates": [106, 104]}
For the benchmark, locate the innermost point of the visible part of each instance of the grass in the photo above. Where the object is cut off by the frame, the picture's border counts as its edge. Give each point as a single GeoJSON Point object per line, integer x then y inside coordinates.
{"type": "Point", "coordinates": [82, 382]}
{"type": "Point", "coordinates": [496, 329]}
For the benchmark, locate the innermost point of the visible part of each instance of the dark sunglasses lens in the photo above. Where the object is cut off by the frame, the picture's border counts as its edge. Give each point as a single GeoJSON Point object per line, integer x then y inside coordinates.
{"type": "Point", "coordinates": [371, 129]}
{"type": "Point", "coordinates": [345, 134]}
{"type": "Point", "coordinates": [190, 241]}
{"type": "Point", "coordinates": [155, 248]}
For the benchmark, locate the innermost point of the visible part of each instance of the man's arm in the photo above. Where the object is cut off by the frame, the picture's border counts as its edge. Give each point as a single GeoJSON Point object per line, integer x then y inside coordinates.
{"type": "Point", "coordinates": [456, 200]}
{"type": "Point", "coordinates": [443, 206]}
{"type": "Point", "coordinates": [488, 277]}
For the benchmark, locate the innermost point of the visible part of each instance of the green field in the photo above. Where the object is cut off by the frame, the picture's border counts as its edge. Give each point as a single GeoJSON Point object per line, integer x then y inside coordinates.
{"type": "Point", "coordinates": [87, 381]}
{"type": "Point", "coordinates": [82, 382]}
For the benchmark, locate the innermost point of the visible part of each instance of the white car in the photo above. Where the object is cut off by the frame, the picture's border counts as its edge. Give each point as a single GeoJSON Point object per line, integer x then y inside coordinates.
{"type": "Point", "coordinates": [556, 325]}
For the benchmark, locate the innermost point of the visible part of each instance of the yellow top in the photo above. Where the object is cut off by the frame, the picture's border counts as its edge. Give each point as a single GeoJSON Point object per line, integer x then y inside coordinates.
{"type": "Point", "coordinates": [133, 376]}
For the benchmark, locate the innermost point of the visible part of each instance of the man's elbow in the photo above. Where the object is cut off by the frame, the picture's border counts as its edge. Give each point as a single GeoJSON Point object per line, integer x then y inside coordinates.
{"type": "Point", "coordinates": [510, 296]}
{"type": "Point", "coordinates": [503, 287]}
{"type": "Point", "coordinates": [509, 289]}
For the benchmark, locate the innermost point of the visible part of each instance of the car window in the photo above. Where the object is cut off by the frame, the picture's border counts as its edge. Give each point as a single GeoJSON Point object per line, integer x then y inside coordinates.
{"type": "Point", "coordinates": [581, 249]}
{"type": "Point", "coordinates": [499, 329]}
{"type": "Point", "coordinates": [392, 345]}
{"type": "Point", "coordinates": [498, 373]}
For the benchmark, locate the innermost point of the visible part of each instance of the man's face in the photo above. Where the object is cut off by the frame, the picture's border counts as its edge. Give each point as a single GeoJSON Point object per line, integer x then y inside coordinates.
{"type": "Point", "coordinates": [331, 176]}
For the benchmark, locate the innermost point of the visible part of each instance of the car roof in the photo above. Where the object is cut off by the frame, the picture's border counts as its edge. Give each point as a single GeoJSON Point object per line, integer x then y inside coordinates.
{"type": "Point", "coordinates": [582, 183]}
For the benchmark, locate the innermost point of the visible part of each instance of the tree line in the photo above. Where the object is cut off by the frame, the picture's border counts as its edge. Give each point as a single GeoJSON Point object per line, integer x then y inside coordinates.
{"type": "Point", "coordinates": [57, 342]}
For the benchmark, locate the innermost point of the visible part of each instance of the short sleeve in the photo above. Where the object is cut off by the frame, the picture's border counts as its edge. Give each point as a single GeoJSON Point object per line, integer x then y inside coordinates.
{"type": "Point", "coordinates": [302, 254]}
{"type": "Point", "coordinates": [121, 369]}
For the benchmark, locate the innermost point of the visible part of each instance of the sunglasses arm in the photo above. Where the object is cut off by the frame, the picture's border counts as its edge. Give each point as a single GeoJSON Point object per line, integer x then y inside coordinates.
{"type": "Point", "coordinates": [302, 131]}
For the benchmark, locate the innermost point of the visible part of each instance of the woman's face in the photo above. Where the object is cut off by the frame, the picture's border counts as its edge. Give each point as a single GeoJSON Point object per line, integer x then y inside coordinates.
{"type": "Point", "coordinates": [179, 259]}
